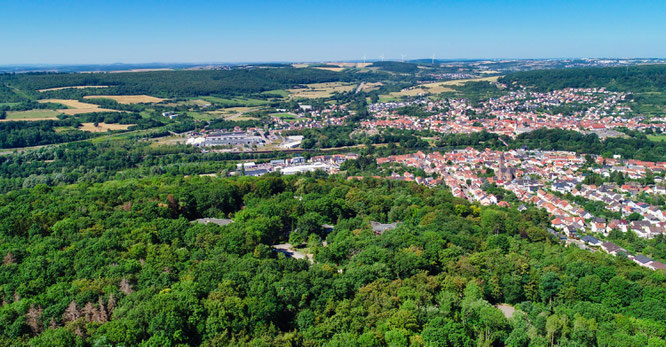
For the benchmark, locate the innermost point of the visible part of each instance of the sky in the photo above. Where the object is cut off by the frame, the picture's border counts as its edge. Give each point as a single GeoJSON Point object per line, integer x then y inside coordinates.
{"type": "Point", "coordinates": [104, 32]}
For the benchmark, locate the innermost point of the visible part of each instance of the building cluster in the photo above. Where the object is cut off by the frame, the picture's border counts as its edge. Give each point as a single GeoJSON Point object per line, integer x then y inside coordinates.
{"type": "Point", "coordinates": [327, 163]}
{"type": "Point", "coordinates": [544, 179]}
{"type": "Point", "coordinates": [611, 248]}
{"type": "Point", "coordinates": [239, 139]}
{"type": "Point", "coordinates": [580, 109]}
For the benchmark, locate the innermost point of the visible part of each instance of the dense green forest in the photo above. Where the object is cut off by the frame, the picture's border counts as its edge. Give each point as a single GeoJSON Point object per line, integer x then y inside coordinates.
{"type": "Point", "coordinates": [21, 134]}
{"type": "Point", "coordinates": [173, 83]}
{"type": "Point", "coordinates": [120, 263]}
{"type": "Point", "coordinates": [641, 78]}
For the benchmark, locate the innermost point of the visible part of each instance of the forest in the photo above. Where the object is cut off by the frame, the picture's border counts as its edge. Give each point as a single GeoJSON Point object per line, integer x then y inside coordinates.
{"type": "Point", "coordinates": [639, 78]}
{"type": "Point", "coordinates": [179, 83]}
{"type": "Point", "coordinates": [120, 262]}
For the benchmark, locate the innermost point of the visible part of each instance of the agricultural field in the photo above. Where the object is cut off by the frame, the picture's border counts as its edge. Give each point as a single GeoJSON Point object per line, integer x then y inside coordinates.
{"type": "Point", "coordinates": [480, 79]}
{"type": "Point", "coordinates": [320, 90]}
{"type": "Point", "coordinates": [127, 99]}
{"type": "Point", "coordinates": [433, 88]}
{"type": "Point", "coordinates": [236, 113]}
{"type": "Point", "coordinates": [76, 107]}
{"type": "Point", "coordinates": [70, 87]}
{"type": "Point", "coordinates": [32, 115]}
{"type": "Point", "coordinates": [370, 86]}
{"type": "Point", "coordinates": [103, 127]}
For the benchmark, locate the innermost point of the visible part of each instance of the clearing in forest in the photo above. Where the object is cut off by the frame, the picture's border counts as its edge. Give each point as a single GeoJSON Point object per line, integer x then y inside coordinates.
{"type": "Point", "coordinates": [71, 87]}
{"type": "Point", "coordinates": [127, 99]}
{"type": "Point", "coordinates": [103, 127]}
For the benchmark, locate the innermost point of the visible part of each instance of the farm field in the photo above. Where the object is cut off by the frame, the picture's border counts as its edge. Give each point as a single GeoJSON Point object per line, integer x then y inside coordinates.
{"type": "Point", "coordinates": [433, 88]}
{"type": "Point", "coordinates": [480, 79]}
{"type": "Point", "coordinates": [330, 68]}
{"type": "Point", "coordinates": [103, 127]}
{"type": "Point", "coordinates": [320, 90]}
{"type": "Point", "coordinates": [76, 107]}
{"type": "Point", "coordinates": [236, 113]}
{"type": "Point", "coordinates": [127, 99]}
{"type": "Point", "coordinates": [70, 87]}
{"type": "Point", "coordinates": [32, 115]}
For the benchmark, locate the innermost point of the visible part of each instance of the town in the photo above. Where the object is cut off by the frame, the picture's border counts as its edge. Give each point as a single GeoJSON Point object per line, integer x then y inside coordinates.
{"type": "Point", "coordinates": [545, 179]}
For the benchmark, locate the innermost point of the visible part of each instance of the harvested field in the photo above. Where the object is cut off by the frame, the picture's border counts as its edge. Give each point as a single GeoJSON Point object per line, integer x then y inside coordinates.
{"type": "Point", "coordinates": [480, 79]}
{"type": "Point", "coordinates": [320, 90]}
{"type": "Point", "coordinates": [71, 87]}
{"type": "Point", "coordinates": [76, 107]}
{"type": "Point", "coordinates": [103, 127]}
{"type": "Point", "coordinates": [438, 87]}
{"type": "Point", "coordinates": [127, 99]}
{"type": "Point", "coordinates": [336, 69]}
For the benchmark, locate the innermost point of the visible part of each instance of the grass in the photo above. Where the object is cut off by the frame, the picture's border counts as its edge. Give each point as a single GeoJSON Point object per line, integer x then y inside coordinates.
{"type": "Point", "coordinates": [657, 138]}
{"type": "Point", "coordinates": [127, 99]}
{"type": "Point", "coordinates": [283, 93]}
{"type": "Point", "coordinates": [284, 115]}
{"type": "Point", "coordinates": [32, 115]}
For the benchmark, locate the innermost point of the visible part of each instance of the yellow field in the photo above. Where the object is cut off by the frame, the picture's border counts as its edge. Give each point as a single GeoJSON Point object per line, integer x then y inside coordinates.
{"type": "Point", "coordinates": [127, 99]}
{"type": "Point", "coordinates": [480, 79]}
{"type": "Point", "coordinates": [76, 107]}
{"type": "Point", "coordinates": [320, 90]}
{"type": "Point", "coordinates": [336, 69]}
{"type": "Point", "coordinates": [72, 87]}
{"type": "Point", "coordinates": [103, 127]}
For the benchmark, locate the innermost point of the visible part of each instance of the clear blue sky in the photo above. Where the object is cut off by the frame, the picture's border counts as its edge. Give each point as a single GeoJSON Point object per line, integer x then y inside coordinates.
{"type": "Point", "coordinates": [76, 32]}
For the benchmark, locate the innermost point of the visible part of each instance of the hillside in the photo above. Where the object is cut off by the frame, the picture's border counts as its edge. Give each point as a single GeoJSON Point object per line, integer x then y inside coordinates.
{"type": "Point", "coordinates": [641, 78]}
{"type": "Point", "coordinates": [120, 263]}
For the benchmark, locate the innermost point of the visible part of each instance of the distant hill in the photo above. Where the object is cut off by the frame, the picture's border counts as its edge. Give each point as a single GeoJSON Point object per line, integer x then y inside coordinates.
{"type": "Point", "coordinates": [394, 66]}
{"type": "Point", "coordinates": [641, 78]}
{"type": "Point", "coordinates": [179, 83]}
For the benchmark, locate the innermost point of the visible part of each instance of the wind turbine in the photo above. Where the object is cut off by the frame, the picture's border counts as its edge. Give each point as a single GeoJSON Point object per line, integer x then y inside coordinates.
{"type": "Point", "coordinates": [402, 56]}
{"type": "Point", "coordinates": [433, 59]}
{"type": "Point", "coordinates": [382, 56]}
{"type": "Point", "coordinates": [363, 58]}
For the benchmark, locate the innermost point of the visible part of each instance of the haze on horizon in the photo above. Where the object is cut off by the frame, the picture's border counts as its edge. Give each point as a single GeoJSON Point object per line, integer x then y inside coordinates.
{"type": "Point", "coordinates": [60, 32]}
